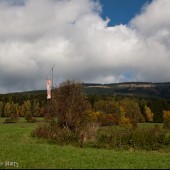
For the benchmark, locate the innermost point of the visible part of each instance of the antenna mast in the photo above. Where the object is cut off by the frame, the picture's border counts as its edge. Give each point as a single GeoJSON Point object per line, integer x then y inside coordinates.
{"type": "Point", "coordinates": [52, 75]}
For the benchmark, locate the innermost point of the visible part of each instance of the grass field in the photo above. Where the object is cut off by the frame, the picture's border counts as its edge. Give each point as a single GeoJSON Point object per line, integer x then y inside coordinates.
{"type": "Point", "coordinates": [19, 150]}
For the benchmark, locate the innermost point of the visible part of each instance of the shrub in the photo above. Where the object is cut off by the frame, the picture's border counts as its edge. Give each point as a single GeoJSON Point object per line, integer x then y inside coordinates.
{"type": "Point", "coordinates": [41, 131]}
{"type": "Point", "coordinates": [33, 120]}
{"type": "Point", "coordinates": [88, 134]}
{"type": "Point", "coordinates": [54, 133]}
{"type": "Point", "coordinates": [166, 117]}
{"type": "Point", "coordinates": [28, 116]}
{"type": "Point", "coordinates": [9, 120]}
{"type": "Point", "coordinates": [47, 117]}
{"type": "Point", "coordinates": [147, 139]}
{"type": "Point", "coordinates": [113, 138]}
{"type": "Point", "coordinates": [106, 119]}
{"type": "Point", "coordinates": [107, 137]}
{"type": "Point", "coordinates": [91, 116]}
{"type": "Point", "coordinates": [69, 105]}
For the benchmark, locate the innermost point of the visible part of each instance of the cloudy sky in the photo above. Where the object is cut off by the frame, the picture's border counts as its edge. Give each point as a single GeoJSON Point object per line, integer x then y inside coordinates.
{"type": "Point", "coordinates": [89, 41]}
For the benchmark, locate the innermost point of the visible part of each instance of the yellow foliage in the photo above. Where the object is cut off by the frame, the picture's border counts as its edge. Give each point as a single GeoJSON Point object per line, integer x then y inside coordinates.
{"type": "Point", "coordinates": [125, 122]}
{"type": "Point", "coordinates": [122, 111]}
{"type": "Point", "coordinates": [166, 115]}
{"type": "Point", "coordinates": [149, 114]}
{"type": "Point", "coordinates": [106, 118]}
{"type": "Point", "coordinates": [91, 116]}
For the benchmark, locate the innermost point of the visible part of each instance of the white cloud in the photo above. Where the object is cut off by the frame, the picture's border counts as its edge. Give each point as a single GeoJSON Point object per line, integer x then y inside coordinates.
{"type": "Point", "coordinates": [153, 19]}
{"type": "Point", "coordinates": [71, 34]}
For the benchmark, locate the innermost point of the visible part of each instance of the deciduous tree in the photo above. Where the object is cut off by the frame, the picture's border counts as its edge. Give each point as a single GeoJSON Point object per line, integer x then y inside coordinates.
{"type": "Point", "coordinates": [69, 105]}
{"type": "Point", "coordinates": [149, 114]}
{"type": "Point", "coordinates": [166, 117]}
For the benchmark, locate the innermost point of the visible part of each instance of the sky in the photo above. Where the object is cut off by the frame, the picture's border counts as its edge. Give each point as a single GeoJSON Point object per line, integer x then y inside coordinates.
{"type": "Point", "coordinates": [121, 11]}
{"type": "Point", "coordinates": [92, 41]}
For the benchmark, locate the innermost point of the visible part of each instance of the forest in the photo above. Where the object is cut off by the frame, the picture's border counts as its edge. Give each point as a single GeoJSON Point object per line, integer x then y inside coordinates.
{"type": "Point", "coordinates": [135, 98]}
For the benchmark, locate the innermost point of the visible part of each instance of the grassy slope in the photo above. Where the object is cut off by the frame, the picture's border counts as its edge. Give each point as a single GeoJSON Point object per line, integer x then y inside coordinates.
{"type": "Point", "coordinates": [16, 145]}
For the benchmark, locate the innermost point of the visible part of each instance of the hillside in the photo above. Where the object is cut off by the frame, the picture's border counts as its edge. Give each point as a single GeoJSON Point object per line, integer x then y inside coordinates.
{"type": "Point", "coordinates": [140, 89]}
{"type": "Point", "coordinates": [154, 95]}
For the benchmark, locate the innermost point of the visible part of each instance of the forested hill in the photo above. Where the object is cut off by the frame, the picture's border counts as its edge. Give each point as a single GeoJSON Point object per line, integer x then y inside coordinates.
{"type": "Point", "coordinates": [139, 89]}
{"type": "Point", "coordinates": [154, 95]}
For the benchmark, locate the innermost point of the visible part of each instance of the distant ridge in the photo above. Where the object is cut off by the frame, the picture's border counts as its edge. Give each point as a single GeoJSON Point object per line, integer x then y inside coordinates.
{"type": "Point", "coordinates": [139, 89]}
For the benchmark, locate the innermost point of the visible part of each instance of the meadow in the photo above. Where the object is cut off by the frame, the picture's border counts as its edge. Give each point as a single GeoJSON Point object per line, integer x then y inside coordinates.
{"type": "Point", "coordinates": [18, 150]}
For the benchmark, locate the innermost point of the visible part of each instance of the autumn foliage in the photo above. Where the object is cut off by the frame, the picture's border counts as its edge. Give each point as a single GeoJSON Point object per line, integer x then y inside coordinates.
{"type": "Point", "coordinates": [166, 117]}
{"type": "Point", "coordinates": [69, 105]}
{"type": "Point", "coordinates": [75, 121]}
{"type": "Point", "coordinates": [149, 114]}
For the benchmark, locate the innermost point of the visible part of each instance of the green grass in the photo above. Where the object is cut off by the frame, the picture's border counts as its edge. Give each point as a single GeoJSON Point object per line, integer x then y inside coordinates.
{"type": "Point", "coordinates": [149, 125]}
{"type": "Point", "coordinates": [16, 145]}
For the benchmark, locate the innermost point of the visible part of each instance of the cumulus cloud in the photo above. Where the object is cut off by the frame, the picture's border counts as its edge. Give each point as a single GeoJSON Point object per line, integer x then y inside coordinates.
{"type": "Point", "coordinates": [153, 19]}
{"type": "Point", "coordinates": [35, 35]}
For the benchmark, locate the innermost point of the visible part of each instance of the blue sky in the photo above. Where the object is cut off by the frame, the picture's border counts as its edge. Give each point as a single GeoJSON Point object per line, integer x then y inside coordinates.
{"type": "Point", "coordinates": [121, 11]}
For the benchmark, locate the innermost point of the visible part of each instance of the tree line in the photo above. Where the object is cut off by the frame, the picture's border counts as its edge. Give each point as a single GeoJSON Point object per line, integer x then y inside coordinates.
{"type": "Point", "coordinates": [135, 107]}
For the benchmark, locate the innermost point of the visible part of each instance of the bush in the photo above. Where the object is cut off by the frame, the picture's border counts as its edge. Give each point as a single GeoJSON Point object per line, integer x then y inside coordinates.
{"type": "Point", "coordinates": [56, 134]}
{"type": "Point", "coordinates": [147, 139]}
{"type": "Point", "coordinates": [166, 117]}
{"type": "Point", "coordinates": [11, 119]}
{"type": "Point", "coordinates": [113, 138]}
{"type": "Point", "coordinates": [33, 120]}
{"type": "Point", "coordinates": [29, 117]}
{"type": "Point", "coordinates": [41, 131]}
{"type": "Point", "coordinates": [106, 119]}
{"type": "Point", "coordinates": [69, 105]}
{"type": "Point", "coordinates": [8, 120]}
{"type": "Point", "coordinates": [107, 137]}
{"type": "Point", "coordinates": [88, 134]}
